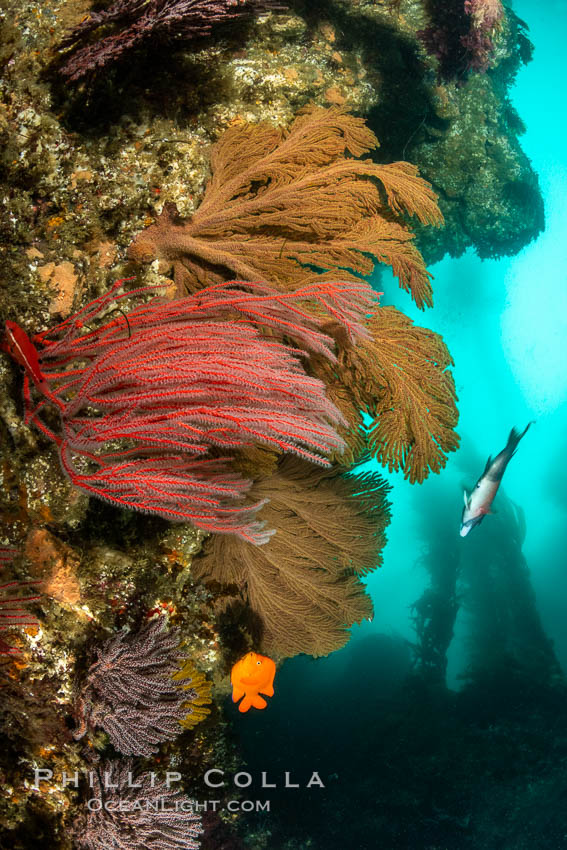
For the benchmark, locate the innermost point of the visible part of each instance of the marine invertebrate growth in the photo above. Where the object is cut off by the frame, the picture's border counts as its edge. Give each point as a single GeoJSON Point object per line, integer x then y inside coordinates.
{"type": "Point", "coordinates": [135, 812]}
{"type": "Point", "coordinates": [462, 34]}
{"type": "Point", "coordinates": [132, 690]}
{"type": "Point", "coordinates": [281, 200]}
{"type": "Point", "coordinates": [304, 584]}
{"type": "Point", "coordinates": [12, 597]}
{"type": "Point", "coordinates": [485, 20]}
{"type": "Point", "coordinates": [399, 375]}
{"type": "Point", "coordinates": [136, 23]}
{"type": "Point", "coordinates": [168, 381]}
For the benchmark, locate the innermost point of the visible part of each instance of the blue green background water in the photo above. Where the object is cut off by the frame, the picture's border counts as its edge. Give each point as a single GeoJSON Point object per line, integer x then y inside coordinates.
{"type": "Point", "coordinates": [505, 322]}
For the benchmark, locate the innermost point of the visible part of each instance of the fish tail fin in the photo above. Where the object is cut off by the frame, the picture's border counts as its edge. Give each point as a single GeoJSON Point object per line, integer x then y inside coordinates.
{"type": "Point", "coordinates": [514, 439]}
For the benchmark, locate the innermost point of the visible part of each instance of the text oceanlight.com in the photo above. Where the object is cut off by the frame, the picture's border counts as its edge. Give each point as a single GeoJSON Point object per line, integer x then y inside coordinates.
{"type": "Point", "coordinates": [164, 804]}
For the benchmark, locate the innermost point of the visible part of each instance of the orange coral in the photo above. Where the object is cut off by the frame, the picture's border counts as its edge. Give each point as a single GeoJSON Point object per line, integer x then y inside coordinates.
{"type": "Point", "coordinates": [55, 563]}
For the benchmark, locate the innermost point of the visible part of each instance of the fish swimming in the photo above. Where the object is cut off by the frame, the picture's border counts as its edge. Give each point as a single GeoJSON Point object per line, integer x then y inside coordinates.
{"type": "Point", "coordinates": [252, 675]}
{"type": "Point", "coordinates": [19, 346]}
{"type": "Point", "coordinates": [479, 503]}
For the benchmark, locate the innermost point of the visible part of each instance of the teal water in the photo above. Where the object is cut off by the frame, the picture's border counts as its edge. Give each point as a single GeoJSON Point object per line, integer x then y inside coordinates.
{"type": "Point", "coordinates": [475, 769]}
{"type": "Point", "coordinates": [505, 322]}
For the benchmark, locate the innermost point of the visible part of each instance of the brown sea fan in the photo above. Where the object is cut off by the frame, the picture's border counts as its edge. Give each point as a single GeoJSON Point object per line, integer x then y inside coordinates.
{"type": "Point", "coordinates": [304, 584]}
{"type": "Point", "coordinates": [399, 376]}
{"type": "Point", "coordinates": [280, 201]}
{"type": "Point", "coordinates": [284, 203]}
{"type": "Point", "coordinates": [415, 414]}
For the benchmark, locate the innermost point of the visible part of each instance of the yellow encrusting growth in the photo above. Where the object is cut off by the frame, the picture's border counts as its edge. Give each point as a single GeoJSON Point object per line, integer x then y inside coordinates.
{"type": "Point", "coordinates": [200, 693]}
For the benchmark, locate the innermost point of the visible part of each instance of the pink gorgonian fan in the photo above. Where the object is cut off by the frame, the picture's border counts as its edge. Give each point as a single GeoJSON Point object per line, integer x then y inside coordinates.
{"type": "Point", "coordinates": [144, 395]}
{"type": "Point", "coordinates": [11, 612]}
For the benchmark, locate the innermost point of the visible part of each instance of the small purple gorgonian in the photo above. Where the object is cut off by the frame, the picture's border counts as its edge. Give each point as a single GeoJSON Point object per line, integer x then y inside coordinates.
{"type": "Point", "coordinates": [486, 18]}
{"type": "Point", "coordinates": [127, 24]}
{"type": "Point", "coordinates": [128, 812]}
{"type": "Point", "coordinates": [142, 690]}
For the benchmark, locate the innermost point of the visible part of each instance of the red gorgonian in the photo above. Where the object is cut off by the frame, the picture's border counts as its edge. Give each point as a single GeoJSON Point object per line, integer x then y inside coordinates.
{"type": "Point", "coordinates": [145, 395]}
{"type": "Point", "coordinates": [11, 600]}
